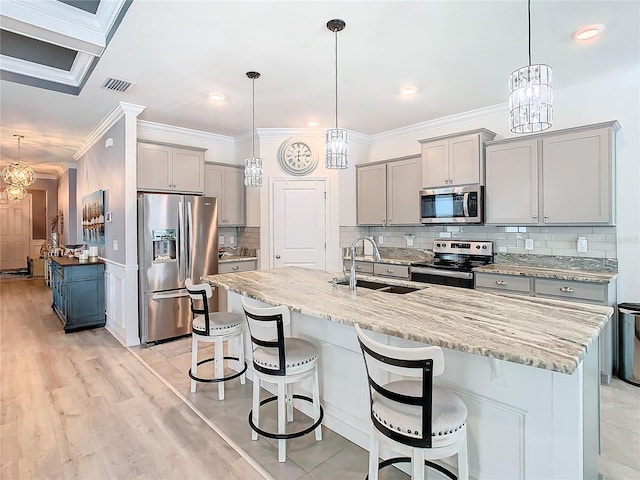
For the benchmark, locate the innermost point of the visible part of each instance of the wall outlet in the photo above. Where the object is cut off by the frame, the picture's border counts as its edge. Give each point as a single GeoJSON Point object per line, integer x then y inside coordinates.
{"type": "Point", "coordinates": [380, 239]}
{"type": "Point", "coordinates": [221, 240]}
{"type": "Point", "coordinates": [528, 243]}
{"type": "Point", "coordinates": [232, 240]}
{"type": "Point", "coordinates": [115, 245]}
{"type": "Point", "coordinates": [582, 245]}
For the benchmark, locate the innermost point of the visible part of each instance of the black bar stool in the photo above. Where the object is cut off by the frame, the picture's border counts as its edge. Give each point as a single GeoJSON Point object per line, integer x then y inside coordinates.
{"type": "Point", "coordinates": [283, 361]}
{"type": "Point", "coordinates": [414, 416]}
{"type": "Point", "coordinates": [217, 328]}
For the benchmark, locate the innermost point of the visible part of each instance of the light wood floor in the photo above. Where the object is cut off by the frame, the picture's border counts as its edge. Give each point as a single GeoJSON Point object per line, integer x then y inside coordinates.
{"type": "Point", "coordinates": [82, 406]}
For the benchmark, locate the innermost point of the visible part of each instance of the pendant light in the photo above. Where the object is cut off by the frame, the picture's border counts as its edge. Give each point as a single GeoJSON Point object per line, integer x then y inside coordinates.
{"type": "Point", "coordinates": [253, 164]}
{"type": "Point", "coordinates": [17, 173]}
{"type": "Point", "coordinates": [15, 193]}
{"type": "Point", "coordinates": [337, 138]}
{"type": "Point", "coordinates": [531, 95]}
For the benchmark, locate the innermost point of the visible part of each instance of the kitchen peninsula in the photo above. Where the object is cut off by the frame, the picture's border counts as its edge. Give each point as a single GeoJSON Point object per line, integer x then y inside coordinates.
{"type": "Point", "coordinates": [527, 368]}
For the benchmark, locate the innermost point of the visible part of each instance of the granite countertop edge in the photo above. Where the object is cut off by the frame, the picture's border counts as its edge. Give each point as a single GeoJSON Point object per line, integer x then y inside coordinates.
{"type": "Point", "coordinates": [236, 258]}
{"type": "Point", "coordinates": [552, 273]}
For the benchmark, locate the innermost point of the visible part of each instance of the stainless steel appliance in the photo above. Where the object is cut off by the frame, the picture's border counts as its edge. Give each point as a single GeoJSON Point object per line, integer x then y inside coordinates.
{"type": "Point", "coordinates": [452, 205]}
{"type": "Point", "coordinates": [453, 262]}
{"type": "Point", "coordinates": [177, 239]}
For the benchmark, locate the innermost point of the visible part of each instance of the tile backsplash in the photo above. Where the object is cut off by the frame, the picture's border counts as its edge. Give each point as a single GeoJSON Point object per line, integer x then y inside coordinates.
{"type": "Point", "coordinates": [557, 241]}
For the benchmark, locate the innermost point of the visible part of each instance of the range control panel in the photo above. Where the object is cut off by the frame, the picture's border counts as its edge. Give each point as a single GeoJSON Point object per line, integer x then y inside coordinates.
{"type": "Point", "coordinates": [466, 247]}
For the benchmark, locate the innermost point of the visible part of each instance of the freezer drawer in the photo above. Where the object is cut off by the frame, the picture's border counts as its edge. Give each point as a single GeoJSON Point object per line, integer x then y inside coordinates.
{"type": "Point", "coordinates": [168, 315]}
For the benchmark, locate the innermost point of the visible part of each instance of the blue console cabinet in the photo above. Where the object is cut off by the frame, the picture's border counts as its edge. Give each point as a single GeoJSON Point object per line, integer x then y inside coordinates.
{"type": "Point", "coordinates": [78, 293]}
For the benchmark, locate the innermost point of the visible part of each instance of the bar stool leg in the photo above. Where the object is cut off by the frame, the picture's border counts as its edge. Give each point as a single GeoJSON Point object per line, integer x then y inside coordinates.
{"type": "Point", "coordinates": [219, 369]}
{"type": "Point", "coordinates": [241, 357]}
{"type": "Point", "coordinates": [417, 463]}
{"type": "Point", "coordinates": [289, 402]}
{"type": "Point", "coordinates": [255, 412]}
{"type": "Point", "coordinates": [316, 404]}
{"type": "Point", "coordinates": [373, 456]}
{"type": "Point", "coordinates": [282, 444]}
{"type": "Point", "coordinates": [463, 461]}
{"type": "Point", "coordinates": [194, 361]}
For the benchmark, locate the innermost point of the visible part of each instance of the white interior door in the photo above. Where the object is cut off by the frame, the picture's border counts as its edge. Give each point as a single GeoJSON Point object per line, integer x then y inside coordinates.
{"type": "Point", "coordinates": [299, 223]}
{"type": "Point", "coordinates": [15, 232]}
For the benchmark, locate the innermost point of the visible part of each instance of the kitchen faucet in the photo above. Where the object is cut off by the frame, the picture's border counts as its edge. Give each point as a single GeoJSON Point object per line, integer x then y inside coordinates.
{"type": "Point", "coordinates": [376, 256]}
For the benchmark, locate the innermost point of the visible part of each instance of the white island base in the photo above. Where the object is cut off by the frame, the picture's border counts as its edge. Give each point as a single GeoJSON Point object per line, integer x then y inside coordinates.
{"type": "Point", "coordinates": [524, 422]}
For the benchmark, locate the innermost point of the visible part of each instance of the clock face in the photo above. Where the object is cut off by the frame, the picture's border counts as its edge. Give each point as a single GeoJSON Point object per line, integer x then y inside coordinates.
{"type": "Point", "coordinates": [297, 158]}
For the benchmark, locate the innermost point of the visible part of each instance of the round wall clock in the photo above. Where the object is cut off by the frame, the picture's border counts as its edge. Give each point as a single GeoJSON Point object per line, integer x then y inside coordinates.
{"type": "Point", "coordinates": [297, 157]}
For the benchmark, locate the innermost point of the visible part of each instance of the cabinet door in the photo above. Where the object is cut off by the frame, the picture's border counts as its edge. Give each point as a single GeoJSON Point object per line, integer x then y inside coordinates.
{"type": "Point", "coordinates": [403, 192]}
{"type": "Point", "coordinates": [372, 196]}
{"type": "Point", "coordinates": [154, 167]}
{"type": "Point", "coordinates": [464, 160]}
{"type": "Point", "coordinates": [188, 170]}
{"type": "Point", "coordinates": [214, 187]}
{"type": "Point", "coordinates": [234, 196]}
{"type": "Point", "coordinates": [577, 178]}
{"type": "Point", "coordinates": [511, 191]}
{"type": "Point", "coordinates": [435, 164]}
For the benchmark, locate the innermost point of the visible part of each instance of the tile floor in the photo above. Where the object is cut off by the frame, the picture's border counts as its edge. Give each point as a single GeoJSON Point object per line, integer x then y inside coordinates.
{"type": "Point", "coordinates": [335, 457]}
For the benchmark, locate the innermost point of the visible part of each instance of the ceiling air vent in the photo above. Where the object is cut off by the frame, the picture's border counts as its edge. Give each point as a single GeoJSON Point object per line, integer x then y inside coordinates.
{"type": "Point", "coordinates": [115, 84]}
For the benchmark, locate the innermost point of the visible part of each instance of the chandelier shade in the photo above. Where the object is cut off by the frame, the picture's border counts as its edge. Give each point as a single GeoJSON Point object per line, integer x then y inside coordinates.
{"type": "Point", "coordinates": [337, 142]}
{"type": "Point", "coordinates": [531, 95]}
{"type": "Point", "coordinates": [17, 173]}
{"type": "Point", "coordinates": [15, 193]}
{"type": "Point", "coordinates": [253, 171]}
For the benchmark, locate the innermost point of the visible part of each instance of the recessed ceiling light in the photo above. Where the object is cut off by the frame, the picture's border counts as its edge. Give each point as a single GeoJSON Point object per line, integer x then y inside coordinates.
{"type": "Point", "coordinates": [409, 91]}
{"type": "Point", "coordinates": [216, 97]}
{"type": "Point", "coordinates": [588, 32]}
{"type": "Point", "coordinates": [313, 124]}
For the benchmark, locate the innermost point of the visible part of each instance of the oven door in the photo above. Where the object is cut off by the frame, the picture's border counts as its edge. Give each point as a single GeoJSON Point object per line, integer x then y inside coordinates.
{"type": "Point", "coordinates": [439, 276]}
{"type": "Point", "coordinates": [452, 205]}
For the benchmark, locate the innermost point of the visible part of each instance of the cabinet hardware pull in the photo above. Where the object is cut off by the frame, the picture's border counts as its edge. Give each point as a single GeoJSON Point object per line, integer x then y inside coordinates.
{"type": "Point", "coordinates": [546, 216]}
{"type": "Point", "coordinates": [278, 256]}
{"type": "Point", "coordinates": [235, 267]}
{"type": "Point", "coordinates": [500, 282]}
{"type": "Point", "coordinates": [389, 270]}
{"type": "Point", "coordinates": [535, 216]}
{"type": "Point", "coordinates": [358, 267]}
{"type": "Point", "coordinates": [566, 289]}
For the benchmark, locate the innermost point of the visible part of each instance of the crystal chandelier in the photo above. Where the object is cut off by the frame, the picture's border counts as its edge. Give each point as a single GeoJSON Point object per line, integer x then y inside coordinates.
{"type": "Point", "coordinates": [337, 138]}
{"type": "Point", "coordinates": [18, 173]}
{"type": "Point", "coordinates": [253, 164]}
{"type": "Point", "coordinates": [531, 95]}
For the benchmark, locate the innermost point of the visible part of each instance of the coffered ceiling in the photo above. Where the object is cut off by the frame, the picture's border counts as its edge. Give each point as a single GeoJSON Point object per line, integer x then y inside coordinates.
{"type": "Point", "coordinates": [57, 55]}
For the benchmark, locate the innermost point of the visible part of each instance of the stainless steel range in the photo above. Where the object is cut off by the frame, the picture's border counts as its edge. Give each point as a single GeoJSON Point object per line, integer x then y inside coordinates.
{"type": "Point", "coordinates": [453, 262]}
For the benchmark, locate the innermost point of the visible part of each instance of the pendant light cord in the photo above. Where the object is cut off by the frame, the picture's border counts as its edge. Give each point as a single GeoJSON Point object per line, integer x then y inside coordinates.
{"type": "Point", "coordinates": [529, 15]}
{"type": "Point", "coordinates": [253, 118]}
{"type": "Point", "coordinates": [19, 137]}
{"type": "Point", "coordinates": [336, 35]}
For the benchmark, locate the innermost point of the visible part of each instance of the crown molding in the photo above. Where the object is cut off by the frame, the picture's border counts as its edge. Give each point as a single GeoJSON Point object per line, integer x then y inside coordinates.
{"type": "Point", "coordinates": [118, 112]}
{"type": "Point", "coordinates": [146, 128]}
{"type": "Point", "coordinates": [494, 110]}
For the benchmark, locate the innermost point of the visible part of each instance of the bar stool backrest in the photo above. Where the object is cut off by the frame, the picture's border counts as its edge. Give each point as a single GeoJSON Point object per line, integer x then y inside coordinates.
{"type": "Point", "coordinates": [385, 364]}
{"type": "Point", "coordinates": [266, 328]}
{"type": "Point", "coordinates": [199, 293]}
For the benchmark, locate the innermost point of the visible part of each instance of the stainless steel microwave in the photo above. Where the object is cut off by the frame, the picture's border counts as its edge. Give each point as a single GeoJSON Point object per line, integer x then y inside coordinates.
{"type": "Point", "coordinates": [452, 205]}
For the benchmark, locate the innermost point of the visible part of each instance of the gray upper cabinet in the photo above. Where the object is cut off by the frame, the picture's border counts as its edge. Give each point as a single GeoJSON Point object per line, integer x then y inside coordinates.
{"type": "Point", "coordinates": [388, 192]}
{"type": "Point", "coordinates": [226, 183]}
{"type": "Point", "coordinates": [167, 168]}
{"type": "Point", "coordinates": [558, 178]}
{"type": "Point", "coordinates": [454, 159]}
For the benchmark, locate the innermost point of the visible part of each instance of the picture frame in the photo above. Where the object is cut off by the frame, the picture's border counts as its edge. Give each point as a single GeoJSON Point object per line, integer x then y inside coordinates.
{"type": "Point", "coordinates": [93, 218]}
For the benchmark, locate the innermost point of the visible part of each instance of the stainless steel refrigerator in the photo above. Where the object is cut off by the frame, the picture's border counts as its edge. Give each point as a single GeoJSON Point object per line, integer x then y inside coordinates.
{"type": "Point", "coordinates": [177, 239]}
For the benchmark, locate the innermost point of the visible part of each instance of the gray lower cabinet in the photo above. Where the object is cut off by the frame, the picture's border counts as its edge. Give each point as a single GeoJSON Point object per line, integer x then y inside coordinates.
{"type": "Point", "coordinates": [233, 267]}
{"type": "Point", "coordinates": [78, 293]}
{"type": "Point", "coordinates": [596, 293]}
{"type": "Point", "coordinates": [378, 269]}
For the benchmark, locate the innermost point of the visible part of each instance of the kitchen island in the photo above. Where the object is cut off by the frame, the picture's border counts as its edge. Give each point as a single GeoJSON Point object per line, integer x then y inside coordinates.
{"type": "Point", "coordinates": [527, 368]}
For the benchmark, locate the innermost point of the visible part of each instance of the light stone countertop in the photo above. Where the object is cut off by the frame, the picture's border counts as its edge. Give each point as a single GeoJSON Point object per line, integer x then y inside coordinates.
{"type": "Point", "coordinates": [548, 334]}
{"type": "Point", "coordinates": [235, 258]}
{"type": "Point", "coordinates": [540, 272]}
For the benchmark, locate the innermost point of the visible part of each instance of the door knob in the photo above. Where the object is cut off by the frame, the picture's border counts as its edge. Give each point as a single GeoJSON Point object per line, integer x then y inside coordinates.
{"type": "Point", "coordinates": [278, 257]}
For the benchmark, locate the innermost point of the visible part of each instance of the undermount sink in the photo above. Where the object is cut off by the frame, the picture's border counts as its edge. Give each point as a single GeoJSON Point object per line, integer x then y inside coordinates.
{"type": "Point", "coordinates": [380, 287]}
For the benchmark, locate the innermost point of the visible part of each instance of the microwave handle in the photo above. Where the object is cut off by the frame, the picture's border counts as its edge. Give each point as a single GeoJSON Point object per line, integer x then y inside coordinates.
{"type": "Point", "coordinates": [465, 205]}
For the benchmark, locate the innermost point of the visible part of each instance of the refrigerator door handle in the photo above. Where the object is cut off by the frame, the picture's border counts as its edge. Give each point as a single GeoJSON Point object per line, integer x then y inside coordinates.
{"type": "Point", "coordinates": [165, 295]}
{"type": "Point", "coordinates": [181, 234]}
{"type": "Point", "coordinates": [190, 238]}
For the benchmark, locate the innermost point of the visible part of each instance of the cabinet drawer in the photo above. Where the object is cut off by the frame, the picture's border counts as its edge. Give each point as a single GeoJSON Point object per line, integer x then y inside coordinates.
{"type": "Point", "coordinates": [363, 267]}
{"type": "Point", "coordinates": [389, 270]}
{"type": "Point", "coordinates": [508, 283]}
{"type": "Point", "coordinates": [585, 291]}
{"type": "Point", "coordinates": [231, 267]}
